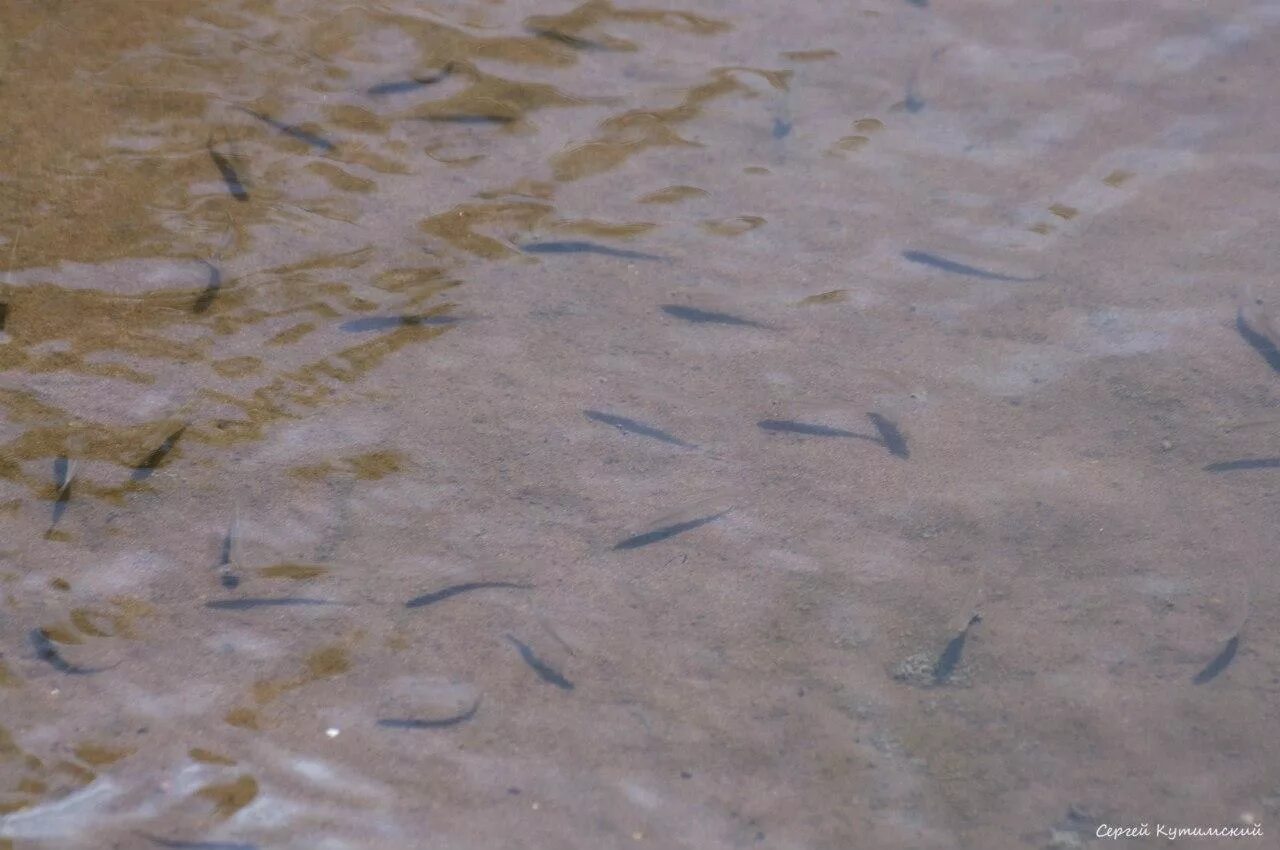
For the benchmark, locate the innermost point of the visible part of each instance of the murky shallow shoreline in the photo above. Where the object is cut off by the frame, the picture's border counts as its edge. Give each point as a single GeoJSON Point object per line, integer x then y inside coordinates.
{"type": "Point", "coordinates": [506, 424]}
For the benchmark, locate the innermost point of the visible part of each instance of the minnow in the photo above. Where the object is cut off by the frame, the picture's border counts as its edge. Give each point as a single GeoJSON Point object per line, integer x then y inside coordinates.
{"type": "Point", "coordinates": [464, 118]}
{"type": "Point", "coordinates": [570, 40]}
{"type": "Point", "coordinates": [442, 723]}
{"type": "Point", "coordinates": [273, 602]}
{"type": "Point", "coordinates": [1247, 463]}
{"type": "Point", "coordinates": [586, 248]}
{"type": "Point", "coordinates": [1260, 342]}
{"type": "Point", "coordinates": [380, 323]}
{"type": "Point", "coordinates": [293, 131]}
{"type": "Point", "coordinates": [700, 317]}
{"type": "Point", "coordinates": [663, 533]}
{"type": "Point", "coordinates": [951, 655]}
{"type": "Point", "coordinates": [545, 672]}
{"type": "Point", "coordinates": [781, 129]}
{"type": "Point", "coordinates": [1219, 663]}
{"type": "Point", "coordinates": [148, 465]}
{"type": "Point", "coordinates": [4, 314]}
{"type": "Point", "coordinates": [467, 587]}
{"type": "Point", "coordinates": [400, 86]}
{"type": "Point", "coordinates": [890, 436]}
{"type": "Point", "coordinates": [631, 426]}
{"type": "Point", "coordinates": [63, 473]}
{"type": "Point", "coordinates": [174, 844]}
{"type": "Point", "coordinates": [48, 653]}
{"type": "Point", "coordinates": [952, 266]}
{"type": "Point", "coordinates": [229, 176]}
{"type": "Point", "coordinates": [205, 300]}
{"type": "Point", "coordinates": [787, 426]}
{"type": "Point", "coordinates": [228, 577]}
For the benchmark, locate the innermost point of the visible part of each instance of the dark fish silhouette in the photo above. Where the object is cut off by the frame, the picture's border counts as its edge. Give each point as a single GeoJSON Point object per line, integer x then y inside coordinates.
{"type": "Point", "coordinates": [174, 844]}
{"type": "Point", "coordinates": [228, 577]}
{"type": "Point", "coordinates": [1247, 463]}
{"type": "Point", "coordinates": [293, 131]}
{"type": "Point", "coordinates": [442, 723]}
{"type": "Point", "coordinates": [958, 268]}
{"type": "Point", "coordinates": [920, 4]}
{"type": "Point", "coordinates": [666, 531]}
{"type": "Point", "coordinates": [781, 129]}
{"type": "Point", "coordinates": [475, 118]}
{"type": "Point", "coordinates": [400, 86]}
{"type": "Point", "coordinates": [4, 314]}
{"type": "Point", "coordinates": [1259, 342]}
{"type": "Point", "coordinates": [210, 292]}
{"type": "Point", "coordinates": [787, 426]}
{"type": "Point", "coordinates": [585, 248]}
{"type": "Point", "coordinates": [570, 40]}
{"type": "Point", "coordinates": [1219, 663]}
{"type": "Point", "coordinates": [62, 474]}
{"type": "Point", "coordinates": [382, 323]}
{"type": "Point", "coordinates": [249, 604]}
{"type": "Point", "coordinates": [702, 317]}
{"type": "Point", "coordinates": [545, 672]}
{"type": "Point", "coordinates": [229, 176]}
{"type": "Point", "coordinates": [49, 654]}
{"type": "Point", "coordinates": [950, 657]}
{"type": "Point", "coordinates": [890, 436]}
{"type": "Point", "coordinates": [456, 589]}
{"type": "Point", "coordinates": [148, 464]}
{"type": "Point", "coordinates": [631, 426]}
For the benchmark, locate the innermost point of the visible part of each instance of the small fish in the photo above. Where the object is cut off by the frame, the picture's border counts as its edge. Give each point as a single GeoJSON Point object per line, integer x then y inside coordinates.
{"type": "Point", "coordinates": [952, 266]}
{"type": "Point", "coordinates": [381, 323]}
{"type": "Point", "coordinates": [663, 533]}
{"type": "Point", "coordinates": [63, 473]}
{"type": "Point", "coordinates": [442, 723]}
{"type": "Point", "coordinates": [545, 672]}
{"type": "Point", "coordinates": [701, 317]}
{"type": "Point", "coordinates": [919, 4]}
{"type": "Point", "coordinates": [401, 86]}
{"type": "Point", "coordinates": [1259, 341]}
{"type": "Point", "coordinates": [570, 40]}
{"type": "Point", "coordinates": [293, 131]}
{"type": "Point", "coordinates": [48, 653]}
{"type": "Point", "coordinates": [787, 426]}
{"type": "Point", "coordinates": [890, 436]}
{"type": "Point", "coordinates": [1219, 663]}
{"type": "Point", "coordinates": [912, 103]}
{"type": "Point", "coordinates": [273, 602]}
{"type": "Point", "coordinates": [4, 314]}
{"type": "Point", "coordinates": [229, 176]}
{"type": "Point", "coordinates": [951, 655]}
{"type": "Point", "coordinates": [148, 464]}
{"type": "Point", "coordinates": [631, 426]}
{"type": "Point", "coordinates": [174, 844]}
{"type": "Point", "coordinates": [455, 589]}
{"type": "Point", "coordinates": [781, 129]}
{"type": "Point", "coordinates": [585, 248]}
{"type": "Point", "coordinates": [1247, 463]}
{"type": "Point", "coordinates": [228, 577]}
{"type": "Point", "coordinates": [476, 118]}
{"type": "Point", "coordinates": [205, 300]}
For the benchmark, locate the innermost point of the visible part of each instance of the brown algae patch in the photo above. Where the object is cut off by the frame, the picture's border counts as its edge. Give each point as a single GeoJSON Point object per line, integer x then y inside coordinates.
{"type": "Point", "coordinates": [98, 755]}
{"type": "Point", "coordinates": [809, 55]}
{"type": "Point", "coordinates": [296, 572]}
{"type": "Point", "coordinates": [868, 125]}
{"type": "Point", "coordinates": [1116, 179]}
{"type": "Point", "coordinates": [1064, 212]}
{"type": "Point", "coordinates": [341, 179]}
{"type": "Point", "coordinates": [733, 226]}
{"type": "Point", "coordinates": [230, 797]}
{"type": "Point", "coordinates": [208, 757]}
{"type": "Point", "coordinates": [673, 194]}
{"type": "Point", "coordinates": [244, 718]}
{"type": "Point", "coordinates": [826, 297]}
{"type": "Point", "coordinates": [237, 367]}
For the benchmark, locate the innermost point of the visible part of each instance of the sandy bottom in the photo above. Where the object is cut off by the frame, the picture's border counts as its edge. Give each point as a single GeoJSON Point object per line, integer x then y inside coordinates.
{"type": "Point", "coordinates": [731, 424]}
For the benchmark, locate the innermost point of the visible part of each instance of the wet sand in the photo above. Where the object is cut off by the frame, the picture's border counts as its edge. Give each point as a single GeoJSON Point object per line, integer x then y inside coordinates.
{"type": "Point", "coordinates": [697, 372]}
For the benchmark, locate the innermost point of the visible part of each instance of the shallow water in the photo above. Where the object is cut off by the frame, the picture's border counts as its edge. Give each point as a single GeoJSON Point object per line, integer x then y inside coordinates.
{"type": "Point", "coordinates": [698, 373]}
